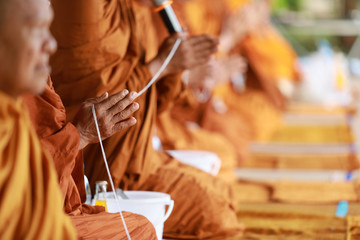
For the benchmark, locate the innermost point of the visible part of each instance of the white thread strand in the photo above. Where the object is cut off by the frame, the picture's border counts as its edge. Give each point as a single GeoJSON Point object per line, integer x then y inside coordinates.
{"type": "Point", "coordinates": [152, 81]}
{"type": "Point", "coordinates": [163, 66]}
{"type": "Point", "coordinates": [108, 172]}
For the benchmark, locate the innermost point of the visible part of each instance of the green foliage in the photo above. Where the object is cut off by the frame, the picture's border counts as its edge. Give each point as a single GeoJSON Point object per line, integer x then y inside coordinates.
{"type": "Point", "coordinates": [293, 5]}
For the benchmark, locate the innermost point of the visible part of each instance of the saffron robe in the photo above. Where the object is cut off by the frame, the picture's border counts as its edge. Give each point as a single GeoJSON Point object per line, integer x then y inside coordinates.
{"type": "Point", "coordinates": [62, 140]}
{"type": "Point", "coordinates": [100, 50]}
{"type": "Point", "coordinates": [30, 200]}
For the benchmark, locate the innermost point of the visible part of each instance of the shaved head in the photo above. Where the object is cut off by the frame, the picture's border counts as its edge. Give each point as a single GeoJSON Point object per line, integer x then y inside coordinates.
{"type": "Point", "coordinates": [25, 46]}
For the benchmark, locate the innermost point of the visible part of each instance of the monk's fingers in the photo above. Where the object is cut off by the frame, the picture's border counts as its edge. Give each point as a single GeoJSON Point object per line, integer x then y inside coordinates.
{"type": "Point", "coordinates": [101, 98]}
{"type": "Point", "coordinates": [203, 37]}
{"type": "Point", "coordinates": [112, 100]}
{"type": "Point", "coordinates": [198, 40]}
{"type": "Point", "coordinates": [108, 128]}
{"type": "Point", "coordinates": [121, 105]}
{"type": "Point", "coordinates": [204, 49]}
{"type": "Point", "coordinates": [170, 41]}
{"type": "Point", "coordinates": [104, 96]}
{"type": "Point", "coordinates": [125, 114]}
{"type": "Point", "coordinates": [124, 124]}
{"type": "Point", "coordinates": [200, 61]}
{"type": "Point", "coordinates": [197, 63]}
{"type": "Point", "coordinates": [205, 44]}
{"type": "Point", "coordinates": [182, 35]}
{"type": "Point", "coordinates": [188, 56]}
{"type": "Point", "coordinates": [204, 53]}
{"type": "Point", "coordinates": [207, 47]}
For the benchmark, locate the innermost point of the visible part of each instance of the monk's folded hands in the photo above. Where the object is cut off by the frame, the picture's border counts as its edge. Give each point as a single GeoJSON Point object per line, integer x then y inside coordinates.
{"type": "Point", "coordinates": [193, 51]}
{"type": "Point", "coordinates": [114, 114]}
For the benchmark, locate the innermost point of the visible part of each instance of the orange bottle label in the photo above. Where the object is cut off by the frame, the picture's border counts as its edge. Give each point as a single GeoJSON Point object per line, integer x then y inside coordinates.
{"type": "Point", "coordinates": [101, 203]}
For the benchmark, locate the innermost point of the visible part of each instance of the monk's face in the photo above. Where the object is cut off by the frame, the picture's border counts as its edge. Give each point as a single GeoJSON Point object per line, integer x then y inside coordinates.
{"type": "Point", "coordinates": [25, 46]}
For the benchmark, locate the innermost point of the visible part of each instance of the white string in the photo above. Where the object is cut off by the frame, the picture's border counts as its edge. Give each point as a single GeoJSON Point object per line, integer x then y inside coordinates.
{"type": "Point", "coordinates": [152, 81]}
{"type": "Point", "coordinates": [108, 172]}
{"type": "Point", "coordinates": [163, 66]}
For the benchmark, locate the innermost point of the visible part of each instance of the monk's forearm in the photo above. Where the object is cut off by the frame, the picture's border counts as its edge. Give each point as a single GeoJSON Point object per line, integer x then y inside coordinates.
{"type": "Point", "coordinates": [154, 67]}
{"type": "Point", "coordinates": [63, 145]}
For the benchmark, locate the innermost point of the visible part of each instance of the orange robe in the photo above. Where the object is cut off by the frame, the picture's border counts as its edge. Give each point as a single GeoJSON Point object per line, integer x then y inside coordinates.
{"type": "Point", "coordinates": [262, 98]}
{"type": "Point", "coordinates": [234, 5]}
{"type": "Point", "coordinates": [176, 135]}
{"type": "Point", "coordinates": [30, 200]}
{"type": "Point", "coordinates": [100, 49]}
{"type": "Point", "coordinates": [270, 59]}
{"type": "Point", "coordinates": [173, 133]}
{"type": "Point", "coordinates": [200, 17]}
{"type": "Point", "coordinates": [270, 56]}
{"type": "Point", "coordinates": [62, 140]}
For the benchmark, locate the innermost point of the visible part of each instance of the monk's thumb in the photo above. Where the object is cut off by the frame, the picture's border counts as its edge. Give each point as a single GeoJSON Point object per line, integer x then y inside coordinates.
{"type": "Point", "coordinates": [182, 35]}
{"type": "Point", "coordinates": [101, 98]}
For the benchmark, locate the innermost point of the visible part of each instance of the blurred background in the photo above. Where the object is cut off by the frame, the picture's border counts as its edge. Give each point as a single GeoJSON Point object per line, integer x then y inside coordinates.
{"type": "Point", "coordinates": [306, 22]}
{"type": "Point", "coordinates": [324, 34]}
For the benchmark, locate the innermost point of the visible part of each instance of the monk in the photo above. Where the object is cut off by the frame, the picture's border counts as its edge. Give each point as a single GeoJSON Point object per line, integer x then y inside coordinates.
{"type": "Point", "coordinates": [271, 74]}
{"type": "Point", "coordinates": [228, 140]}
{"type": "Point", "coordinates": [174, 134]}
{"type": "Point", "coordinates": [30, 200]}
{"type": "Point", "coordinates": [65, 140]}
{"type": "Point", "coordinates": [228, 100]}
{"type": "Point", "coordinates": [101, 50]}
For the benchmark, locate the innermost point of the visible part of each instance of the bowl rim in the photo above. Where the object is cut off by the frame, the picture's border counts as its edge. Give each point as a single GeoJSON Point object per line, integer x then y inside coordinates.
{"type": "Point", "coordinates": [162, 197]}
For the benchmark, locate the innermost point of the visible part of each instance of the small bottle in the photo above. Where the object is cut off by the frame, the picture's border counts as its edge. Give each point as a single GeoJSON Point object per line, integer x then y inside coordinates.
{"type": "Point", "coordinates": [100, 194]}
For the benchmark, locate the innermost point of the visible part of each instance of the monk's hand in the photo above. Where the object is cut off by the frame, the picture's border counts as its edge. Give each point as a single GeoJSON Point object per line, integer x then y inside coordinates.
{"type": "Point", "coordinates": [192, 52]}
{"type": "Point", "coordinates": [225, 68]}
{"type": "Point", "coordinates": [201, 78]}
{"type": "Point", "coordinates": [114, 114]}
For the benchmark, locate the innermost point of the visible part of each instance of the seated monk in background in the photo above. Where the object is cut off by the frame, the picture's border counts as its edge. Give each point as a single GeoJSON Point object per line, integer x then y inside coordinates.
{"type": "Point", "coordinates": [242, 105]}
{"type": "Point", "coordinates": [30, 200]}
{"type": "Point", "coordinates": [174, 134]}
{"type": "Point", "coordinates": [272, 69]}
{"type": "Point", "coordinates": [227, 132]}
{"type": "Point", "coordinates": [101, 49]}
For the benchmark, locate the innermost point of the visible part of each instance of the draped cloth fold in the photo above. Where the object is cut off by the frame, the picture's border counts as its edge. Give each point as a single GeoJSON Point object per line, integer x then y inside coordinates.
{"type": "Point", "coordinates": [271, 61]}
{"type": "Point", "coordinates": [100, 49]}
{"type": "Point", "coordinates": [30, 199]}
{"type": "Point", "coordinates": [62, 140]}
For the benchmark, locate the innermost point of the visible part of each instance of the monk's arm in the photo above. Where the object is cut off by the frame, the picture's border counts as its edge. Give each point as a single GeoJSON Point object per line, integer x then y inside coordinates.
{"type": "Point", "coordinates": [63, 145]}
{"type": "Point", "coordinates": [59, 139]}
